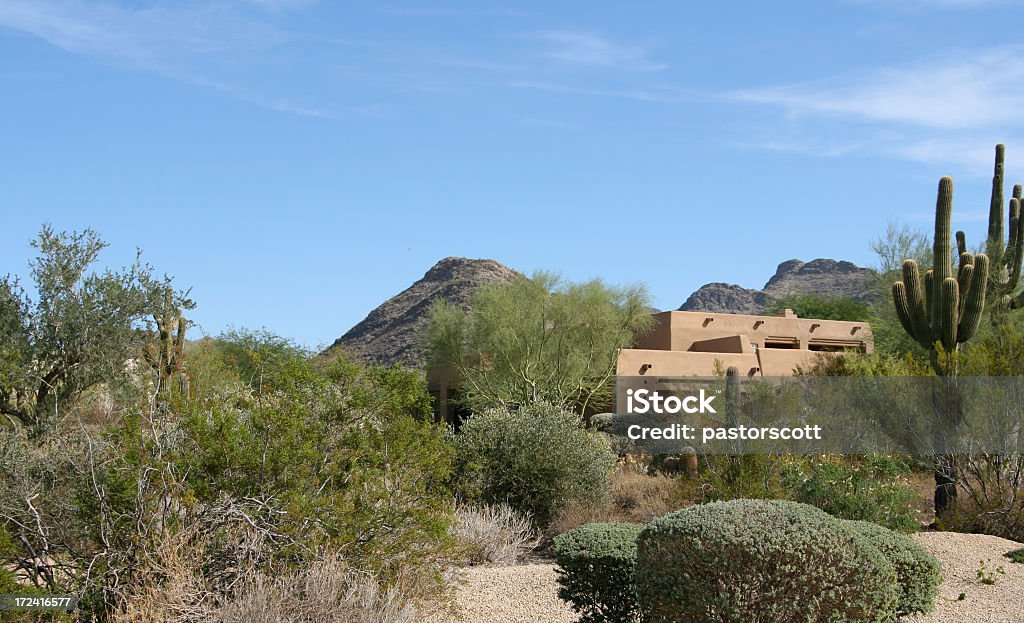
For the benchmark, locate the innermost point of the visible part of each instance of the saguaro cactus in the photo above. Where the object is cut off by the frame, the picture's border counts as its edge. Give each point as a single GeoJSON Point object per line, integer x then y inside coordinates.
{"type": "Point", "coordinates": [166, 353]}
{"type": "Point", "coordinates": [941, 314]}
{"type": "Point", "coordinates": [1006, 254]}
{"type": "Point", "coordinates": [943, 308]}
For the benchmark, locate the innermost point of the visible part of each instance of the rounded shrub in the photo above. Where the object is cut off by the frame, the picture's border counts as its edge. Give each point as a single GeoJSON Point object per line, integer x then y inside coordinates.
{"type": "Point", "coordinates": [760, 560]}
{"type": "Point", "coordinates": [538, 459]}
{"type": "Point", "coordinates": [597, 562]}
{"type": "Point", "coordinates": [917, 571]}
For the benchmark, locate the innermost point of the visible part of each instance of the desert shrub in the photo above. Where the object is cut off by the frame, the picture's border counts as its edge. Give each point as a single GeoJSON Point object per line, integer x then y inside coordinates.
{"type": "Point", "coordinates": [332, 458]}
{"type": "Point", "coordinates": [753, 476]}
{"type": "Point", "coordinates": [760, 560]}
{"type": "Point", "coordinates": [1016, 555]}
{"type": "Point", "coordinates": [596, 566]}
{"type": "Point", "coordinates": [918, 572]}
{"type": "Point", "coordinates": [493, 534]}
{"type": "Point", "coordinates": [635, 497]}
{"type": "Point", "coordinates": [325, 590]}
{"type": "Point", "coordinates": [538, 459]}
{"type": "Point", "coordinates": [871, 489]}
{"type": "Point", "coordinates": [639, 497]}
{"type": "Point", "coordinates": [340, 459]}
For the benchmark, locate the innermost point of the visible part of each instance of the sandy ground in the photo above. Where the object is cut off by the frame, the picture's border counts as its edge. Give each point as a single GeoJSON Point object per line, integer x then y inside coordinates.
{"type": "Point", "coordinates": [528, 593]}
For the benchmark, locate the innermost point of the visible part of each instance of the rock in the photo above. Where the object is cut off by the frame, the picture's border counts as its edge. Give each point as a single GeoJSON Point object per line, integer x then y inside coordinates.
{"type": "Point", "coordinates": [395, 332]}
{"type": "Point", "coordinates": [793, 277]}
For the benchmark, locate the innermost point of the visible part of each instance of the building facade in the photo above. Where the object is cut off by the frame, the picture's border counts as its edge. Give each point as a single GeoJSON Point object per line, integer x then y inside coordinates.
{"type": "Point", "coordinates": [703, 344]}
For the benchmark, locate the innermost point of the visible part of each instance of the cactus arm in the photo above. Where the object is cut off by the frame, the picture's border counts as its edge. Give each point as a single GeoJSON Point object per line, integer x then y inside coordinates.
{"type": "Point", "coordinates": [995, 212]}
{"type": "Point", "coordinates": [975, 303]}
{"type": "Point", "coordinates": [899, 297]}
{"type": "Point", "coordinates": [916, 304]}
{"type": "Point", "coordinates": [961, 243]}
{"type": "Point", "coordinates": [1015, 246]}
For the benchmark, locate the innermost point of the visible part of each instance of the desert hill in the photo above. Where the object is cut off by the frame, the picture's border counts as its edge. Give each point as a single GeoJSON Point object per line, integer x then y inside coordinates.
{"type": "Point", "coordinates": [395, 331]}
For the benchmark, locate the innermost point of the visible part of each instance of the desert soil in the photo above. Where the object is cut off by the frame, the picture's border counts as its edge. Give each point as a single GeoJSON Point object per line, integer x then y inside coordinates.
{"type": "Point", "coordinates": [527, 593]}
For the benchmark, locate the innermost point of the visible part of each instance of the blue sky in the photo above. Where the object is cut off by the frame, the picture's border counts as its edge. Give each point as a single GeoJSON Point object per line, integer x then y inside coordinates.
{"type": "Point", "coordinates": [297, 162]}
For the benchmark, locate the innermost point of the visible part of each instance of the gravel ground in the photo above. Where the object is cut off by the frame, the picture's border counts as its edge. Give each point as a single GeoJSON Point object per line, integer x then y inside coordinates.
{"type": "Point", "coordinates": [528, 593]}
{"type": "Point", "coordinates": [961, 556]}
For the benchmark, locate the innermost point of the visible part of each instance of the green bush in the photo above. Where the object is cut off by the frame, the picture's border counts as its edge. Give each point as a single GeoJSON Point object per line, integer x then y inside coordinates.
{"type": "Point", "coordinates": [597, 562]}
{"type": "Point", "coordinates": [537, 459]}
{"type": "Point", "coordinates": [1016, 555]}
{"type": "Point", "coordinates": [869, 489]}
{"type": "Point", "coordinates": [917, 571]}
{"type": "Point", "coordinates": [760, 560]}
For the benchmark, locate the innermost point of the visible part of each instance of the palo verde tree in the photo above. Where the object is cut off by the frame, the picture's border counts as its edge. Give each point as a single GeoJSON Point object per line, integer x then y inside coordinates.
{"type": "Point", "coordinates": [942, 311]}
{"type": "Point", "coordinates": [538, 339]}
{"type": "Point", "coordinates": [76, 328]}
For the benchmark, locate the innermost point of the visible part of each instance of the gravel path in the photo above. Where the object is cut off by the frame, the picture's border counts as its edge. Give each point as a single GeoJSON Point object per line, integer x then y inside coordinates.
{"type": "Point", "coordinates": [528, 593]}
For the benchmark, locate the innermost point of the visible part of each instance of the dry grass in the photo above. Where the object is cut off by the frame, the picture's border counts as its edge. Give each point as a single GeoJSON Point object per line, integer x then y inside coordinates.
{"type": "Point", "coordinates": [494, 534]}
{"type": "Point", "coordinates": [326, 592]}
{"type": "Point", "coordinates": [636, 497]}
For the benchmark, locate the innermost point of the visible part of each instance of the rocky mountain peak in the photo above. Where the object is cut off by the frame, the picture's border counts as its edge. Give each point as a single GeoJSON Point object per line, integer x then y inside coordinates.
{"type": "Point", "coordinates": [395, 332]}
{"type": "Point", "coordinates": [822, 276]}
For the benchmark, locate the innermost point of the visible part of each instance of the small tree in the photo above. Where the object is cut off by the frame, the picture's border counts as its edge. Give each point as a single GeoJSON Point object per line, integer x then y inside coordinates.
{"type": "Point", "coordinates": [79, 327]}
{"type": "Point", "coordinates": [538, 339]}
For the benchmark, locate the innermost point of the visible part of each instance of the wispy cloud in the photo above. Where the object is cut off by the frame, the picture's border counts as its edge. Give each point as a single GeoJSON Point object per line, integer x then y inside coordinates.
{"type": "Point", "coordinates": [188, 43]}
{"type": "Point", "coordinates": [585, 49]}
{"type": "Point", "coordinates": [969, 91]}
{"type": "Point", "coordinates": [947, 110]}
{"type": "Point", "coordinates": [149, 38]}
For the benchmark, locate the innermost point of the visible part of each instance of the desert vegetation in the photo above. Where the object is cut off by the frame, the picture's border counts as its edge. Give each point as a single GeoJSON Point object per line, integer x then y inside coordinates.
{"type": "Point", "coordinates": [242, 477]}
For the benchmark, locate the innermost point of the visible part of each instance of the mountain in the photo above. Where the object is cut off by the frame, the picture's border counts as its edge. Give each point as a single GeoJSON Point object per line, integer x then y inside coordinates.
{"type": "Point", "coordinates": [792, 277]}
{"type": "Point", "coordinates": [395, 332]}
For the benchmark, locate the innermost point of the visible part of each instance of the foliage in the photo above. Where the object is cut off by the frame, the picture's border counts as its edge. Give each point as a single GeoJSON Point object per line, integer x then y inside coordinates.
{"type": "Point", "coordinates": [333, 460]}
{"type": "Point", "coordinates": [748, 560]}
{"type": "Point", "coordinates": [538, 458]}
{"type": "Point", "coordinates": [870, 488]}
{"type": "Point", "coordinates": [341, 454]}
{"type": "Point", "coordinates": [258, 357]}
{"type": "Point", "coordinates": [989, 483]}
{"type": "Point", "coordinates": [538, 339]}
{"type": "Point", "coordinates": [988, 575]}
{"type": "Point", "coordinates": [77, 331]}
{"type": "Point", "coordinates": [1016, 555]}
{"type": "Point", "coordinates": [918, 572]}
{"type": "Point", "coordinates": [822, 307]}
{"type": "Point", "coordinates": [597, 563]}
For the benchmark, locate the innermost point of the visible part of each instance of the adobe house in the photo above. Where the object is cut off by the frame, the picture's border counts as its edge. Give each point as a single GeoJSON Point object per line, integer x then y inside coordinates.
{"type": "Point", "coordinates": [702, 344]}
{"type": "Point", "coordinates": [699, 344]}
